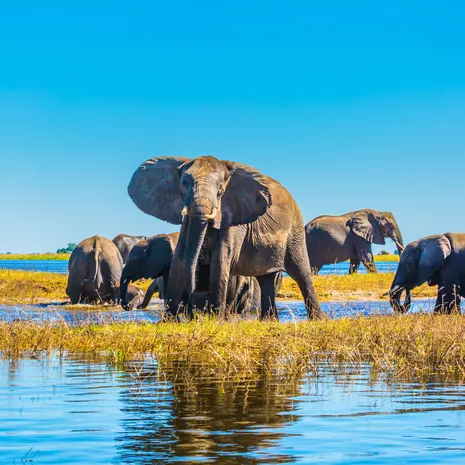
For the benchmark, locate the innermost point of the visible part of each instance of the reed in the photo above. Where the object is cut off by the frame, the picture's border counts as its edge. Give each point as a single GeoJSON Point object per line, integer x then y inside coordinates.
{"type": "Point", "coordinates": [413, 346]}
{"type": "Point", "coordinates": [386, 258]}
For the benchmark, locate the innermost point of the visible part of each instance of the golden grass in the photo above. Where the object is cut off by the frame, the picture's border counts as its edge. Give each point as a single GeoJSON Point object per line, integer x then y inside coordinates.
{"type": "Point", "coordinates": [36, 256]}
{"type": "Point", "coordinates": [408, 345]}
{"type": "Point", "coordinates": [33, 287]}
{"type": "Point", "coordinates": [29, 287]}
{"type": "Point", "coordinates": [386, 258]}
{"type": "Point", "coordinates": [350, 287]}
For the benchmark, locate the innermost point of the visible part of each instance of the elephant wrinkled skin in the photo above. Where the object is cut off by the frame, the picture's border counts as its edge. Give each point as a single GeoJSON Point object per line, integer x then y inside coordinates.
{"type": "Point", "coordinates": [438, 260]}
{"type": "Point", "coordinates": [254, 225]}
{"type": "Point", "coordinates": [335, 239]}
{"type": "Point", "coordinates": [94, 272]}
{"type": "Point", "coordinates": [151, 259]}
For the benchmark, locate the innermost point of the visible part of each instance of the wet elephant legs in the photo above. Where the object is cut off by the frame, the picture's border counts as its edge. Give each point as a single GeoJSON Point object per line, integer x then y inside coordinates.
{"type": "Point", "coordinates": [448, 300]}
{"type": "Point", "coordinates": [267, 303]}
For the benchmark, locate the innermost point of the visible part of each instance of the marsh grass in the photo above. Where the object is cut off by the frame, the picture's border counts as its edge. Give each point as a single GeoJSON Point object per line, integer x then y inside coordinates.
{"type": "Point", "coordinates": [36, 256]}
{"type": "Point", "coordinates": [34, 287]}
{"type": "Point", "coordinates": [29, 287]}
{"type": "Point", "coordinates": [408, 346]}
{"type": "Point", "coordinates": [350, 287]}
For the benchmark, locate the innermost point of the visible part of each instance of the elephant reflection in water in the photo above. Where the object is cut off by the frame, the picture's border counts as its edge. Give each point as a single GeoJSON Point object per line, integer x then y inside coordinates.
{"type": "Point", "coordinates": [196, 416]}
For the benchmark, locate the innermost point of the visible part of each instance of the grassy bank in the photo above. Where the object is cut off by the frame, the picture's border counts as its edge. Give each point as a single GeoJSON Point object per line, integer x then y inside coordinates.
{"type": "Point", "coordinates": [33, 256]}
{"type": "Point", "coordinates": [32, 287]}
{"type": "Point", "coordinates": [411, 345]}
{"type": "Point", "coordinates": [386, 258]}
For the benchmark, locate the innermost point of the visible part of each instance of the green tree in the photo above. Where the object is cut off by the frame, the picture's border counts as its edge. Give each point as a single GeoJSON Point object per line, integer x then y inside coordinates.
{"type": "Point", "coordinates": [69, 249]}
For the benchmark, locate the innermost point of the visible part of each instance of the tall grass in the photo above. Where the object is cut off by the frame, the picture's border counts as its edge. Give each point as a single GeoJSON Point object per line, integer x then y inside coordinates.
{"type": "Point", "coordinates": [386, 258]}
{"type": "Point", "coordinates": [409, 345]}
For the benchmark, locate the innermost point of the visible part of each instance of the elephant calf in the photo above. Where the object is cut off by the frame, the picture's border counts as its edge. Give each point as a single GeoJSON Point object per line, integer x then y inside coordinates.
{"type": "Point", "coordinates": [335, 239]}
{"type": "Point", "coordinates": [438, 260]}
{"type": "Point", "coordinates": [94, 273]}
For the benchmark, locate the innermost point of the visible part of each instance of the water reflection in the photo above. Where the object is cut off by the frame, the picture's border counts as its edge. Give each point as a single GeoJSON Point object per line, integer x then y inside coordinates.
{"type": "Point", "coordinates": [207, 420]}
{"type": "Point", "coordinates": [72, 411]}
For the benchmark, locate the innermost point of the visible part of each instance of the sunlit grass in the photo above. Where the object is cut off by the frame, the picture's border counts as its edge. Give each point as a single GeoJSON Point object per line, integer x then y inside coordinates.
{"type": "Point", "coordinates": [410, 345]}
{"type": "Point", "coordinates": [43, 256]}
{"type": "Point", "coordinates": [350, 287]}
{"type": "Point", "coordinates": [28, 287]}
{"type": "Point", "coordinates": [386, 258]}
{"type": "Point", "coordinates": [32, 287]}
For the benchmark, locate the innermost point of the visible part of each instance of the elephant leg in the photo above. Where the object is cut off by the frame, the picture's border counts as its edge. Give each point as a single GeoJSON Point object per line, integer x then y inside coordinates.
{"type": "Point", "coordinates": [298, 268]}
{"type": "Point", "coordinates": [448, 300]}
{"type": "Point", "coordinates": [268, 303]}
{"type": "Point", "coordinates": [354, 265]}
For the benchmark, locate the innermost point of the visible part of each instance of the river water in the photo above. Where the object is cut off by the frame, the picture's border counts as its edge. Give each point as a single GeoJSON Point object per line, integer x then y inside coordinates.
{"type": "Point", "coordinates": [71, 411]}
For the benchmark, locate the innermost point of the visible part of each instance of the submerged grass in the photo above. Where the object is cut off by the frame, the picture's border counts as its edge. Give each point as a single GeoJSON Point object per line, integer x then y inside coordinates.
{"type": "Point", "coordinates": [414, 346]}
{"type": "Point", "coordinates": [33, 287]}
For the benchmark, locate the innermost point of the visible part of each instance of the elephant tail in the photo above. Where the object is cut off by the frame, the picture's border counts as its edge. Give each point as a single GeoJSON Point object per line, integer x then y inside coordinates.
{"type": "Point", "coordinates": [96, 266]}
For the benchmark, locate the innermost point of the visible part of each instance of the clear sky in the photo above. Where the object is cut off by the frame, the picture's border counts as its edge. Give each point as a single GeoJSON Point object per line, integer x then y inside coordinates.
{"type": "Point", "coordinates": [349, 104]}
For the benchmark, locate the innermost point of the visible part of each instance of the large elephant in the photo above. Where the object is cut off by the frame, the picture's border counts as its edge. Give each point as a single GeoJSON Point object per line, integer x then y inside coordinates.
{"type": "Point", "coordinates": [254, 224]}
{"type": "Point", "coordinates": [151, 259]}
{"type": "Point", "coordinates": [94, 273]}
{"type": "Point", "coordinates": [125, 243]}
{"type": "Point", "coordinates": [438, 260]}
{"type": "Point", "coordinates": [335, 239]}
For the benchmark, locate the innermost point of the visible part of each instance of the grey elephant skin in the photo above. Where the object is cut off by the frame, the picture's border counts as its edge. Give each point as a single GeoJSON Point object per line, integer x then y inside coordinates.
{"type": "Point", "coordinates": [94, 273]}
{"type": "Point", "coordinates": [335, 239]}
{"type": "Point", "coordinates": [151, 259]}
{"type": "Point", "coordinates": [438, 260]}
{"type": "Point", "coordinates": [125, 242]}
{"type": "Point", "coordinates": [254, 225]}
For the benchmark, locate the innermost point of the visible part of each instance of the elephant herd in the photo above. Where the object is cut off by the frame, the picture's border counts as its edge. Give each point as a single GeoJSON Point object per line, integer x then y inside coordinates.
{"type": "Point", "coordinates": [239, 230]}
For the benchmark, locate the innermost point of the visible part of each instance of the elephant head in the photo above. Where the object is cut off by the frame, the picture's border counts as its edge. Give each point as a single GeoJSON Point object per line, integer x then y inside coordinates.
{"type": "Point", "coordinates": [419, 263]}
{"type": "Point", "coordinates": [198, 193]}
{"type": "Point", "coordinates": [375, 226]}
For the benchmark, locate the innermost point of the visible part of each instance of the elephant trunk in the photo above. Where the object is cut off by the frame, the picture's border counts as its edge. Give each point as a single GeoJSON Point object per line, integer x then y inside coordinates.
{"type": "Point", "coordinates": [123, 291]}
{"type": "Point", "coordinates": [395, 295]}
{"type": "Point", "coordinates": [397, 238]}
{"type": "Point", "coordinates": [195, 237]}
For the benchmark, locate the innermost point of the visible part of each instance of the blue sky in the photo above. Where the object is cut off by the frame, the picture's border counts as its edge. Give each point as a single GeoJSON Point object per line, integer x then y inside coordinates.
{"type": "Point", "coordinates": [348, 104]}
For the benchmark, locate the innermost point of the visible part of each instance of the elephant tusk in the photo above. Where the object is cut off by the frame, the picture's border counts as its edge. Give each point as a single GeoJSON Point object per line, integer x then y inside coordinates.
{"type": "Point", "coordinates": [395, 289]}
{"type": "Point", "coordinates": [212, 215]}
{"type": "Point", "coordinates": [184, 211]}
{"type": "Point", "coordinates": [401, 247]}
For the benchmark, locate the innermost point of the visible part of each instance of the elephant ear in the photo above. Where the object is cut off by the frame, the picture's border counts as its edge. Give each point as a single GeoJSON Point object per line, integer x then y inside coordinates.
{"type": "Point", "coordinates": [366, 225]}
{"type": "Point", "coordinates": [247, 196]}
{"type": "Point", "coordinates": [433, 251]}
{"type": "Point", "coordinates": [154, 188]}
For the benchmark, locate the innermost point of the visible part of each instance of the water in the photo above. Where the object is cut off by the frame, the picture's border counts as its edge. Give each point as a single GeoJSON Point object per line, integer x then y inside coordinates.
{"type": "Point", "coordinates": [61, 266]}
{"type": "Point", "coordinates": [72, 411]}
{"type": "Point", "coordinates": [287, 311]}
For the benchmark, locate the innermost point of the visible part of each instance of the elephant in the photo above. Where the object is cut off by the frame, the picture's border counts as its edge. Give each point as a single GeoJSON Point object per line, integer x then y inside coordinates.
{"type": "Point", "coordinates": [151, 258]}
{"type": "Point", "coordinates": [125, 243]}
{"type": "Point", "coordinates": [438, 260]}
{"type": "Point", "coordinates": [253, 223]}
{"type": "Point", "coordinates": [335, 239]}
{"type": "Point", "coordinates": [94, 272]}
